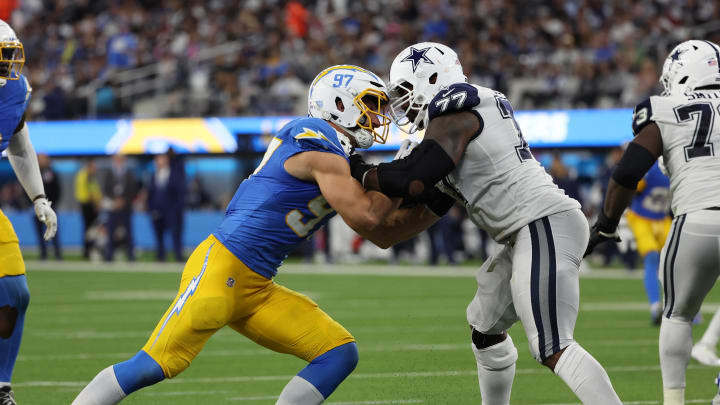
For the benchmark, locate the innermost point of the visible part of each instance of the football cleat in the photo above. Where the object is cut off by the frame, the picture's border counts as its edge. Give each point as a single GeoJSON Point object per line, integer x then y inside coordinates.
{"type": "Point", "coordinates": [6, 396]}
{"type": "Point", "coordinates": [705, 355]}
{"type": "Point", "coordinates": [716, 400]}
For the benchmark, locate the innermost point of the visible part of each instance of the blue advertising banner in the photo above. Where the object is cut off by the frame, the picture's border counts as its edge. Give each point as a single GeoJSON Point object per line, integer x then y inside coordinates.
{"type": "Point", "coordinates": [541, 129]}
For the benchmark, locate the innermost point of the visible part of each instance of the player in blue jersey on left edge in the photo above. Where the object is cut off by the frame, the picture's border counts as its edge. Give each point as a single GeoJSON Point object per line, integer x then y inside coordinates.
{"type": "Point", "coordinates": [301, 182]}
{"type": "Point", "coordinates": [14, 137]}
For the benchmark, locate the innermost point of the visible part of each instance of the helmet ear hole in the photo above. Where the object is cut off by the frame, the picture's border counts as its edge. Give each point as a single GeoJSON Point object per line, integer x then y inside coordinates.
{"type": "Point", "coordinates": [339, 104]}
{"type": "Point", "coordinates": [433, 78]}
{"type": "Point", "coordinates": [683, 80]}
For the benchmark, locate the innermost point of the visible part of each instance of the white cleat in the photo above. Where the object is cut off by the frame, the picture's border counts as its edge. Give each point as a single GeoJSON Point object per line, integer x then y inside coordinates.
{"type": "Point", "coordinates": [705, 355]}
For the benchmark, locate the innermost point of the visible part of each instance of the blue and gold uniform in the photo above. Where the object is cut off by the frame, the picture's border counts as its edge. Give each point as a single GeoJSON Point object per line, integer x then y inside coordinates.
{"type": "Point", "coordinates": [650, 223]}
{"type": "Point", "coordinates": [14, 97]}
{"type": "Point", "coordinates": [648, 214]}
{"type": "Point", "coordinates": [228, 278]}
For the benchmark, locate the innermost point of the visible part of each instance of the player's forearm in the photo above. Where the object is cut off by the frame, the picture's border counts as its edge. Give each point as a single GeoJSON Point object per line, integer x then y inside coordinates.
{"type": "Point", "coordinates": [24, 162]}
{"type": "Point", "coordinates": [401, 225]}
{"type": "Point", "coordinates": [617, 199]}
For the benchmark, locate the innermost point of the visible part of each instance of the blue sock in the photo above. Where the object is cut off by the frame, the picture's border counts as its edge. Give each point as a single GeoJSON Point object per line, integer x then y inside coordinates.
{"type": "Point", "coordinates": [652, 284]}
{"type": "Point", "coordinates": [138, 372]}
{"type": "Point", "coordinates": [329, 369]}
{"type": "Point", "coordinates": [14, 293]}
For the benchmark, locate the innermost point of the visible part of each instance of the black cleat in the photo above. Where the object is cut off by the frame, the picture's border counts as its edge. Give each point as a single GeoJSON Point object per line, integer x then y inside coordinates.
{"type": "Point", "coordinates": [6, 396]}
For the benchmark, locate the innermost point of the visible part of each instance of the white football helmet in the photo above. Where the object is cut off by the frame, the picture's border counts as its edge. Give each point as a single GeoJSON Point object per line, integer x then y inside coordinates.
{"type": "Point", "coordinates": [12, 54]}
{"type": "Point", "coordinates": [347, 95]}
{"type": "Point", "coordinates": [692, 64]}
{"type": "Point", "coordinates": [416, 75]}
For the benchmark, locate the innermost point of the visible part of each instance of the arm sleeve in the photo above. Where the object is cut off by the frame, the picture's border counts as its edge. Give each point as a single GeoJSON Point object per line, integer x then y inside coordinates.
{"type": "Point", "coordinates": [24, 162]}
{"type": "Point", "coordinates": [642, 116]}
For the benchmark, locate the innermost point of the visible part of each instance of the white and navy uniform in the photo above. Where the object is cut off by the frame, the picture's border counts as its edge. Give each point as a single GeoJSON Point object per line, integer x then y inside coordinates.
{"type": "Point", "coordinates": [534, 277]}
{"type": "Point", "coordinates": [691, 152]}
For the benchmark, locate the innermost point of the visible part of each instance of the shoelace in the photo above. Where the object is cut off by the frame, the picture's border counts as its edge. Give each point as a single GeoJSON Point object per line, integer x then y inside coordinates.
{"type": "Point", "coordinates": [6, 398]}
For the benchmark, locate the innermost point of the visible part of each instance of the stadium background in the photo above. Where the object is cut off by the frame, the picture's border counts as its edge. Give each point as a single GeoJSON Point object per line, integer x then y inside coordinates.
{"type": "Point", "coordinates": [114, 77]}
{"type": "Point", "coordinates": [213, 78]}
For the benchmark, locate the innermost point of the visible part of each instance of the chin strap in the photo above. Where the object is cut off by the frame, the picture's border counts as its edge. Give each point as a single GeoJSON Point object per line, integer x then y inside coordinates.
{"type": "Point", "coordinates": [345, 143]}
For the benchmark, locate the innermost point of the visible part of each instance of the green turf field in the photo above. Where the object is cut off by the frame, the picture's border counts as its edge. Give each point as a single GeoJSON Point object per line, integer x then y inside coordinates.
{"type": "Point", "coordinates": [411, 332]}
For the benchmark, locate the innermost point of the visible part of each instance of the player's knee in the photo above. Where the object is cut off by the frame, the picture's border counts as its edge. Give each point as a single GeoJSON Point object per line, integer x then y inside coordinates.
{"type": "Point", "coordinates": [548, 353]}
{"type": "Point", "coordinates": [328, 370]}
{"type": "Point", "coordinates": [138, 372]}
{"type": "Point", "coordinates": [23, 297]}
{"type": "Point", "coordinates": [498, 356]}
{"type": "Point", "coordinates": [346, 357]}
{"type": "Point", "coordinates": [8, 319]}
{"type": "Point", "coordinates": [482, 340]}
{"type": "Point", "coordinates": [342, 359]}
{"type": "Point", "coordinates": [209, 313]}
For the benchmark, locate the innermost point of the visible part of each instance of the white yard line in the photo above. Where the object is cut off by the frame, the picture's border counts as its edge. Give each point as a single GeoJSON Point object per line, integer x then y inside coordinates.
{"type": "Point", "coordinates": [647, 402]}
{"type": "Point", "coordinates": [412, 374]}
{"type": "Point", "coordinates": [259, 351]}
{"type": "Point", "coordinates": [334, 269]}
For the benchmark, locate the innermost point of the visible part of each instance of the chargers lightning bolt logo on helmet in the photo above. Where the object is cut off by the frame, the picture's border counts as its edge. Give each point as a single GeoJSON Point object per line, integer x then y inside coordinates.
{"type": "Point", "coordinates": [416, 56]}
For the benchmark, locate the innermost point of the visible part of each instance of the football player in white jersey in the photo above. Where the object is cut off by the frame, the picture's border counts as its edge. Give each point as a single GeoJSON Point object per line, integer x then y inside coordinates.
{"type": "Point", "coordinates": [680, 126]}
{"type": "Point", "coordinates": [473, 150]}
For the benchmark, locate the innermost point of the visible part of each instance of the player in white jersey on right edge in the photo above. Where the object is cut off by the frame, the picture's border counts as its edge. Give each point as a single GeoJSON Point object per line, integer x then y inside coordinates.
{"type": "Point", "coordinates": [474, 150]}
{"type": "Point", "coordinates": [680, 126]}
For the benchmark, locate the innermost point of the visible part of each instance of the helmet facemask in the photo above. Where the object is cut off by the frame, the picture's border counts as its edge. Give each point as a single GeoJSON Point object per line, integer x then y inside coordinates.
{"type": "Point", "coordinates": [408, 106]}
{"type": "Point", "coordinates": [12, 59]}
{"type": "Point", "coordinates": [371, 102]}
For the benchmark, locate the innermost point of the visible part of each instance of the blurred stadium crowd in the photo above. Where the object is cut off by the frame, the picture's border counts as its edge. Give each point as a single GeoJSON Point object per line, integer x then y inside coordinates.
{"type": "Point", "coordinates": [144, 58]}
{"type": "Point", "coordinates": [255, 57]}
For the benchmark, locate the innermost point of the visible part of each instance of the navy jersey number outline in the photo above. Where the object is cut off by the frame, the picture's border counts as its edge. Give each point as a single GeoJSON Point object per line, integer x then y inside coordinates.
{"type": "Point", "coordinates": [506, 111]}
{"type": "Point", "coordinates": [704, 114]}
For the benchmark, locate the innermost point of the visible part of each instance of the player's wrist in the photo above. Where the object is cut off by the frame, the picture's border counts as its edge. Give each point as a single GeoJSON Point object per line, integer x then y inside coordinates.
{"type": "Point", "coordinates": [606, 224]}
{"type": "Point", "coordinates": [358, 168]}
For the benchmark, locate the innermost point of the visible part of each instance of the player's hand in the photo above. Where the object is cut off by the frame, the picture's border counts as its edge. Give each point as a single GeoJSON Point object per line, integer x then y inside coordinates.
{"type": "Point", "coordinates": [47, 216]}
{"type": "Point", "coordinates": [358, 167]}
{"type": "Point", "coordinates": [604, 229]}
{"type": "Point", "coordinates": [406, 147]}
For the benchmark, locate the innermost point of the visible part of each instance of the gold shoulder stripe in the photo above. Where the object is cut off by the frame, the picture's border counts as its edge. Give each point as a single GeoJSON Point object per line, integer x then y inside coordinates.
{"type": "Point", "coordinates": [310, 134]}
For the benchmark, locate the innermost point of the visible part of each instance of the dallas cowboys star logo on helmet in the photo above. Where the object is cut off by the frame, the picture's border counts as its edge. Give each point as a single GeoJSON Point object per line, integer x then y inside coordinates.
{"type": "Point", "coordinates": [416, 56]}
{"type": "Point", "coordinates": [676, 55]}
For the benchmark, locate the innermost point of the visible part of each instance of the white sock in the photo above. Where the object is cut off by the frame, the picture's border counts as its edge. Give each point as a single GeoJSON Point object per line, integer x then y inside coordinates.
{"type": "Point", "coordinates": [299, 391]}
{"type": "Point", "coordinates": [4, 384]}
{"type": "Point", "coordinates": [675, 348]}
{"type": "Point", "coordinates": [712, 334]}
{"type": "Point", "coordinates": [585, 377]}
{"type": "Point", "coordinates": [104, 389]}
{"type": "Point", "coordinates": [496, 370]}
{"type": "Point", "coordinates": [673, 396]}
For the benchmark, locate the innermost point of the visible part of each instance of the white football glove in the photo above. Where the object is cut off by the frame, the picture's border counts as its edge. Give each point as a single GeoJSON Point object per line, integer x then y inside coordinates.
{"type": "Point", "coordinates": [406, 147]}
{"type": "Point", "coordinates": [47, 216]}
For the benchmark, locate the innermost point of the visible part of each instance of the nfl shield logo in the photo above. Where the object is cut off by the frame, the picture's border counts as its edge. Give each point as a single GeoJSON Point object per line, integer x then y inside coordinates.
{"type": "Point", "coordinates": [230, 282]}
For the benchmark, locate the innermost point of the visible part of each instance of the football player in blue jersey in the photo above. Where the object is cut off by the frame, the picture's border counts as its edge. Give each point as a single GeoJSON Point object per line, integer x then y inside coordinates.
{"type": "Point", "coordinates": [14, 137]}
{"type": "Point", "coordinates": [302, 181]}
{"type": "Point", "coordinates": [649, 219]}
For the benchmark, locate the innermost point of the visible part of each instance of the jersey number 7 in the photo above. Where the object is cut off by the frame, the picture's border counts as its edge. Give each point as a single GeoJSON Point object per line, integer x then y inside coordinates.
{"type": "Point", "coordinates": [704, 113]}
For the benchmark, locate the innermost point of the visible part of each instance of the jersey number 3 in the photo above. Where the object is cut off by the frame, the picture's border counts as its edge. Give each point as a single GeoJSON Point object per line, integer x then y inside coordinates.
{"type": "Point", "coordinates": [704, 114]}
{"type": "Point", "coordinates": [506, 111]}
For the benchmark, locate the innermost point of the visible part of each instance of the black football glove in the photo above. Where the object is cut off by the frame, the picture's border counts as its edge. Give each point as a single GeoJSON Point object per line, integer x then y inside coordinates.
{"type": "Point", "coordinates": [358, 167]}
{"type": "Point", "coordinates": [604, 229]}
